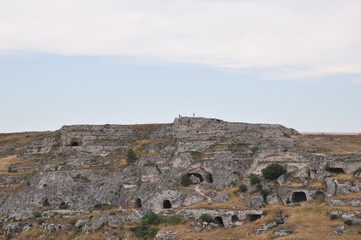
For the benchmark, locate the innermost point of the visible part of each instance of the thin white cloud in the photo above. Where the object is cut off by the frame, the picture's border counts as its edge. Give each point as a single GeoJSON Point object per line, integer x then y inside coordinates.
{"type": "Point", "coordinates": [298, 38]}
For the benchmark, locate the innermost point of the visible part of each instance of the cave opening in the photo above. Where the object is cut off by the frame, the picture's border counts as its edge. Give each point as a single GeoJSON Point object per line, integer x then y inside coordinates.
{"type": "Point", "coordinates": [254, 217]}
{"type": "Point", "coordinates": [219, 220]}
{"type": "Point", "coordinates": [209, 178]}
{"type": "Point", "coordinates": [46, 203]}
{"type": "Point", "coordinates": [336, 170]}
{"type": "Point", "coordinates": [167, 204]}
{"type": "Point", "coordinates": [199, 176]}
{"type": "Point", "coordinates": [235, 218]}
{"type": "Point", "coordinates": [299, 197]}
{"type": "Point", "coordinates": [74, 144]}
{"type": "Point", "coordinates": [138, 203]}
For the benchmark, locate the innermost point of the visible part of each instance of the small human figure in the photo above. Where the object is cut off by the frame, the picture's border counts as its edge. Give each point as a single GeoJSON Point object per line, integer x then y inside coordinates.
{"type": "Point", "coordinates": [193, 114]}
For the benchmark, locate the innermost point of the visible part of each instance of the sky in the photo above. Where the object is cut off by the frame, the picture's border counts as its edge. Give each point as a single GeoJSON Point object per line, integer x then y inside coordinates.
{"type": "Point", "coordinates": [295, 63]}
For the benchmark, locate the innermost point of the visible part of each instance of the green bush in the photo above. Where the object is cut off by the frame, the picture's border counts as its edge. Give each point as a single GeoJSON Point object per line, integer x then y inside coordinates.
{"type": "Point", "coordinates": [173, 220]}
{"type": "Point", "coordinates": [254, 179]}
{"type": "Point", "coordinates": [185, 180]}
{"type": "Point", "coordinates": [254, 149]}
{"type": "Point", "coordinates": [333, 216]}
{"type": "Point", "coordinates": [146, 229]}
{"type": "Point", "coordinates": [265, 193]}
{"type": "Point", "coordinates": [150, 218]}
{"type": "Point", "coordinates": [131, 156]}
{"type": "Point", "coordinates": [36, 214]}
{"type": "Point", "coordinates": [273, 171]}
{"type": "Point", "coordinates": [242, 188]}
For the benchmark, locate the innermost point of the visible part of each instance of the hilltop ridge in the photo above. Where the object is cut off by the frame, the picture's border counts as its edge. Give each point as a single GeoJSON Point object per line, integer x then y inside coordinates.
{"type": "Point", "coordinates": [81, 169]}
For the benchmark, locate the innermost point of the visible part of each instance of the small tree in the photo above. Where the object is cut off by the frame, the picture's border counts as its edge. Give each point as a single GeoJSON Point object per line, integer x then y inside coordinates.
{"type": "Point", "coordinates": [242, 188]}
{"type": "Point", "coordinates": [131, 156]}
{"type": "Point", "coordinates": [185, 180]}
{"type": "Point", "coordinates": [254, 179]}
{"type": "Point", "coordinates": [146, 228]}
{"type": "Point", "coordinates": [273, 171]}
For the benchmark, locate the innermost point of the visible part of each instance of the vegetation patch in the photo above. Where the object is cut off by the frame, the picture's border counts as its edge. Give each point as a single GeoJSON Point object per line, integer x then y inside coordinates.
{"type": "Point", "coordinates": [273, 171]}
{"type": "Point", "coordinates": [254, 179]}
{"type": "Point", "coordinates": [131, 156]}
{"type": "Point", "coordinates": [147, 229]}
{"type": "Point", "coordinates": [185, 180]}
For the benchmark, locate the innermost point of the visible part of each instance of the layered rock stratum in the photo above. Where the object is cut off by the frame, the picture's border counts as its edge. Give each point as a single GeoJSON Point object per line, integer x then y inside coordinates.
{"type": "Point", "coordinates": [84, 169]}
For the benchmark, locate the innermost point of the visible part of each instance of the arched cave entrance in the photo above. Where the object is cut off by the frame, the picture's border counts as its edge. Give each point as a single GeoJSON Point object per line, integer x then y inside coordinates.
{"type": "Point", "coordinates": [235, 218]}
{"type": "Point", "coordinates": [209, 178]}
{"type": "Point", "coordinates": [63, 205]}
{"type": "Point", "coordinates": [74, 144]}
{"type": "Point", "coordinates": [254, 217]}
{"type": "Point", "coordinates": [299, 197]}
{"type": "Point", "coordinates": [46, 203]}
{"type": "Point", "coordinates": [138, 203]}
{"type": "Point", "coordinates": [319, 196]}
{"type": "Point", "coordinates": [167, 204]}
{"type": "Point", "coordinates": [197, 175]}
{"type": "Point", "coordinates": [336, 170]}
{"type": "Point", "coordinates": [219, 220]}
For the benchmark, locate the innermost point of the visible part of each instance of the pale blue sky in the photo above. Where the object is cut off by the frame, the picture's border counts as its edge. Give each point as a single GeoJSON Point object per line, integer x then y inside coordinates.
{"type": "Point", "coordinates": [296, 63]}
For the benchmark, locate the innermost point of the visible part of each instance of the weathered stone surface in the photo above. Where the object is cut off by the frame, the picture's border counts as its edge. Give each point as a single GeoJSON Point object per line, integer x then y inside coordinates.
{"type": "Point", "coordinates": [353, 216]}
{"type": "Point", "coordinates": [281, 179]}
{"type": "Point", "coordinates": [256, 201]}
{"type": "Point", "coordinates": [272, 198]}
{"type": "Point", "coordinates": [330, 186]}
{"type": "Point", "coordinates": [82, 169]}
{"type": "Point", "coordinates": [167, 235]}
{"type": "Point", "coordinates": [282, 231]}
{"type": "Point", "coordinates": [344, 202]}
{"type": "Point", "coordinates": [226, 215]}
{"type": "Point", "coordinates": [223, 197]}
{"type": "Point", "coordinates": [194, 179]}
{"type": "Point", "coordinates": [343, 189]}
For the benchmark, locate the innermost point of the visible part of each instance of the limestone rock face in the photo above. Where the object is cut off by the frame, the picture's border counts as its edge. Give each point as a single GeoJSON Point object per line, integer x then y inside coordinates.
{"type": "Point", "coordinates": [84, 167]}
{"type": "Point", "coordinates": [257, 201]}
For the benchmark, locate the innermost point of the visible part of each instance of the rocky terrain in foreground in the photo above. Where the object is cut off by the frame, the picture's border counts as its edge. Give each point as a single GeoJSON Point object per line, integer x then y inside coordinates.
{"type": "Point", "coordinates": [201, 178]}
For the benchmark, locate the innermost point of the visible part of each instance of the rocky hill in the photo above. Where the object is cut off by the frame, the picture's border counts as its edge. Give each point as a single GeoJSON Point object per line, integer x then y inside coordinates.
{"type": "Point", "coordinates": [201, 177]}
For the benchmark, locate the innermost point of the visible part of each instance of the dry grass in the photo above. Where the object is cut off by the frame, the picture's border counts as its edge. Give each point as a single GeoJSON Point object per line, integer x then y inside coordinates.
{"type": "Point", "coordinates": [10, 139]}
{"type": "Point", "coordinates": [333, 145]}
{"type": "Point", "coordinates": [343, 177]}
{"type": "Point", "coordinates": [350, 196]}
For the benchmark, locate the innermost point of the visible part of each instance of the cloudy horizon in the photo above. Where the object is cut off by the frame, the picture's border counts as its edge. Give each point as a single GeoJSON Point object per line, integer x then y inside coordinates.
{"type": "Point", "coordinates": [289, 60]}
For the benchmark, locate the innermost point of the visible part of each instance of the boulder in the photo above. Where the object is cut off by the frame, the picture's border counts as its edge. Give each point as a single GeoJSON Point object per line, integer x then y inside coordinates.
{"type": "Point", "coordinates": [256, 201]}
{"type": "Point", "coordinates": [194, 179]}
{"type": "Point", "coordinates": [281, 179]}
{"type": "Point", "coordinates": [343, 189]}
{"type": "Point", "coordinates": [330, 186]}
{"type": "Point", "coordinates": [272, 198]}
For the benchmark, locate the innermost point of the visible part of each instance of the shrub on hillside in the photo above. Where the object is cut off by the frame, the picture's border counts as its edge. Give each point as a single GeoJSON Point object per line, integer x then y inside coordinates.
{"type": "Point", "coordinates": [254, 179]}
{"type": "Point", "coordinates": [273, 171]}
{"type": "Point", "coordinates": [131, 156]}
{"type": "Point", "coordinates": [146, 228]}
{"type": "Point", "coordinates": [242, 188]}
{"type": "Point", "coordinates": [36, 214]}
{"type": "Point", "coordinates": [185, 180]}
